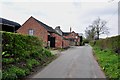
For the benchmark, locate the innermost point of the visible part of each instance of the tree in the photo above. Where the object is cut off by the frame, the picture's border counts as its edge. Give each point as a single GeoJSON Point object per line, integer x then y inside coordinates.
{"type": "Point", "coordinates": [100, 27]}
{"type": "Point", "coordinates": [97, 28]}
{"type": "Point", "coordinates": [90, 32]}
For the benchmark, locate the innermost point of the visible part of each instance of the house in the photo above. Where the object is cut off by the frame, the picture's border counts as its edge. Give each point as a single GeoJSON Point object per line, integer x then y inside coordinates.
{"type": "Point", "coordinates": [44, 32]}
{"type": "Point", "coordinates": [65, 41]}
{"type": "Point", "coordinates": [73, 38]}
{"type": "Point", "coordinates": [9, 26]}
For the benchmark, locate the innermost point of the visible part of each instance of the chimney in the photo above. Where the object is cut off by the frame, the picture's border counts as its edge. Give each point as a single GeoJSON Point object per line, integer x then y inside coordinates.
{"type": "Point", "coordinates": [58, 27]}
{"type": "Point", "coordinates": [70, 29]}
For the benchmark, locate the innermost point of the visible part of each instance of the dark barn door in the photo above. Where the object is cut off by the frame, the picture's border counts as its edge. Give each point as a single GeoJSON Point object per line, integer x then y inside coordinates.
{"type": "Point", "coordinates": [81, 39]}
{"type": "Point", "coordinates": [52, 42]}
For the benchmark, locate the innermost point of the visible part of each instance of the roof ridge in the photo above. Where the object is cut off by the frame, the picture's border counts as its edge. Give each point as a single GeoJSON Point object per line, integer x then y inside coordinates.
{"type": "Point", "coordinates": [48, 28]}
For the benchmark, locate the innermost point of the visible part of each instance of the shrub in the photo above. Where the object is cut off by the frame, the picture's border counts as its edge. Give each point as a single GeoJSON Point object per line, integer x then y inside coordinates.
{"type": "Point", "coordinates": [16, 45]}
{"type": "Point", "coordinates": [85, 41]}
{"type": "Point", "coordinates": [47, 53]}
{"type": "Point", "coordinates": [12, 73]}
{"type": "Point", "coordinates": [23, 52]}
{"type": "Point", "coordinates": [108, 43]}
{"type": "Point", "coordinates": [31, 62]}
{"type": "Point", "coordinates": [7, 60]}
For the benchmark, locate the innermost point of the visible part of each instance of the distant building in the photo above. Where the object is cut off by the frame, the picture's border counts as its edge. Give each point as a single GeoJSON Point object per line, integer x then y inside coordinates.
{"type": "Point", "coordinates": [9, 26]}
{"type": "Point", "coordinates": [65, 41]}
{"type": "Point", "coordinates": [73, 37]}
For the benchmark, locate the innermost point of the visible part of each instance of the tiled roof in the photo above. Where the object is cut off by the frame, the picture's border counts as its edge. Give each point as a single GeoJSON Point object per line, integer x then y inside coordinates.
{"type": "Point", "coordinates": [48, 28]}
{"type": "Point", "coordinates": [66, 33]}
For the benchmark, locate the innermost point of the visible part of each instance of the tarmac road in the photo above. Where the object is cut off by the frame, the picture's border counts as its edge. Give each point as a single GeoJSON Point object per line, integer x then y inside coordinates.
{"type": "Point", "coordinates": [76, 62]}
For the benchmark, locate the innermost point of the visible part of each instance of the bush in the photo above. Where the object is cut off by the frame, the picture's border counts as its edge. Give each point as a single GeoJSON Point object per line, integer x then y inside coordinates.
{"type": "Point", "coordinates": [47, 53]}
{"type": "Point", "coordinates": [23, 53]}
{"type": "Point", "coordinates": [85, 41]}
{"type": "Point", "coordinates": [108, 43]}
{"type": "Point", "coordinates": [31, 62]}
{"type": "Point", "coordinates": [16, 45]}
{"type": "Point", "coordinates": [7, 60]}
{"type": "Point", "coordinates": [12, 73]}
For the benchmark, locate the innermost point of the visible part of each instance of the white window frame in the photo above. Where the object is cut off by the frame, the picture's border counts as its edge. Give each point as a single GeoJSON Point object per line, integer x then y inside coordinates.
{"type": "Point", "coordinates": [31, 32]}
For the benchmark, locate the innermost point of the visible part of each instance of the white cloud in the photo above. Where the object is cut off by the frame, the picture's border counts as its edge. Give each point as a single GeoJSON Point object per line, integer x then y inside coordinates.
{"type": "Point", "coordinates": [66, 14]}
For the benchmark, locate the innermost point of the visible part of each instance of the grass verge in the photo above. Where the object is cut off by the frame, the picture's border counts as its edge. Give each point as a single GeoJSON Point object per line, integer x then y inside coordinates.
{"type": "Point", "coordinates": [109, 61]}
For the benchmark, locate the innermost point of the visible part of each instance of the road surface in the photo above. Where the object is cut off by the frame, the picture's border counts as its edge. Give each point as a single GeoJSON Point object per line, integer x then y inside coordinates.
{"type": "Point", "coordinates": [76, 62]}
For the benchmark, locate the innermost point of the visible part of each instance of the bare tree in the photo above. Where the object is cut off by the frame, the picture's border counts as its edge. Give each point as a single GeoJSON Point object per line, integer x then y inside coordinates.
{"type": "Point", "coordinates": [100, 27]}
{"type": "Point", "coordinates": [90, 32]}
{"type": "Point", "coordinates": [97, 28]}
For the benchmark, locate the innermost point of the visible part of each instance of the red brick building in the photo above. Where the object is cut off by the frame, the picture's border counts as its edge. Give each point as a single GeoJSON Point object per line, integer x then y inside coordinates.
{"type": "Point", "coordinates": [44, 32]}
{"type": "Point", "coordinates": [65, 41]}
{"type": "Point", "coordinates": [58, 40]}
{"type": "Point", "coordinates": [73, 38]}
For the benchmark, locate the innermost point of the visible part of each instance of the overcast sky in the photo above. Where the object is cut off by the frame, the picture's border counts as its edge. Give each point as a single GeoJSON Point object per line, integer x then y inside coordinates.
{"type": "Point", "coordinates": [77, 14]}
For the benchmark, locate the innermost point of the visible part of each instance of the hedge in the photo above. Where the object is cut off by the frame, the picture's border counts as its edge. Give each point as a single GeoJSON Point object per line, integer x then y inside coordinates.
{"type": "Point", "coordinates": [108, 43]}
{"type": "Point", "coordinates": [105, 51]}
{"type": "Point", "coordinates": [20, 53]}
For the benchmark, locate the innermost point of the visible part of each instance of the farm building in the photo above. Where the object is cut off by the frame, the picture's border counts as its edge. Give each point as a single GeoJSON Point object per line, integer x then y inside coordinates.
{"type": "Point", "coordinates": [9, 26]}
{"type": "Point", "coordinates": [44, 32]}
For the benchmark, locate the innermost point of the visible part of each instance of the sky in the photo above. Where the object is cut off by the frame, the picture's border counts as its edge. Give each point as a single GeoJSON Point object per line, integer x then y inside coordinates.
{"type": "Point", "coordinates": [77, 14]}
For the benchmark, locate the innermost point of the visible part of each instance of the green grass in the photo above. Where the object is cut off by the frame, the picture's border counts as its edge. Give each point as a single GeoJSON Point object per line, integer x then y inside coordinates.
{"type": "Point", "coordinates": [108, 60]}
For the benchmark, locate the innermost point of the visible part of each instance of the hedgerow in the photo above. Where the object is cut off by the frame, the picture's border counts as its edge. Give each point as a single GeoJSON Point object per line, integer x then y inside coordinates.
{"type": "Point", "coordinates": [108, 43]}
{"type": "Point", "coordinates": [20, 54]}
{"type": "Point", "coordinates": [107, 52]}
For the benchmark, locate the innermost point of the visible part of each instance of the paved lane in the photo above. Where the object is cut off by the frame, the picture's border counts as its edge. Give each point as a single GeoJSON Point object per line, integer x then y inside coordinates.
{"type": "Point", "coordinates": [77, 62]}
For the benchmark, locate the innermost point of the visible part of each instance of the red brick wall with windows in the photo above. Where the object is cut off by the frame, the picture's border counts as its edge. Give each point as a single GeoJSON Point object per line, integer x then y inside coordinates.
{"type": "Point", "coordinates": [39, 30]}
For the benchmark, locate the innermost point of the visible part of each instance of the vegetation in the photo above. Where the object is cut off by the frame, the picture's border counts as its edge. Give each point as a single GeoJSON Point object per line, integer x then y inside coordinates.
{"type": "Point", "coordinates": [108, 61]}
{"type": "Point", "coordinates": [97, 28]}
{"type": "Point", "coordinates": [85, 41]}
{"type": "Point", "coordinates": [107, 52]}
{"type": "Point", "coordinates": [108, 43]}
{"type": "Point", "coordinates": [21, 53]}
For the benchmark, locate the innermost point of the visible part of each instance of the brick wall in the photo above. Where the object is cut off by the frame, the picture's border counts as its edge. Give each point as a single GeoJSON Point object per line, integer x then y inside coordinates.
{"type": "Point", "coordinates": [66, 43]}
{"type": "Point", "coordinates": [58, 40]}
{"type": "Point", "coordinates": [39, 31]}
{"type": "Point", "coordinates": [73, 36]}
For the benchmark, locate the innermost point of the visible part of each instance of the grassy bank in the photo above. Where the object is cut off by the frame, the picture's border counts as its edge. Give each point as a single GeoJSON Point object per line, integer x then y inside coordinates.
{"type": "Point", "coordinates": [109, 62]}
{"type": "Point", "coordinates": [21, 54]}
{"type": "Point", "coordinates": [107, 52]}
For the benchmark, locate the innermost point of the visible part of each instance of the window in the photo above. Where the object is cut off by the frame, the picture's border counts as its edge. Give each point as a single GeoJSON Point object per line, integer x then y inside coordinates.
{"type": "Point", "coordinates": [76, 37]}
{"type": "Point", "coordinates": [31, 32]}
